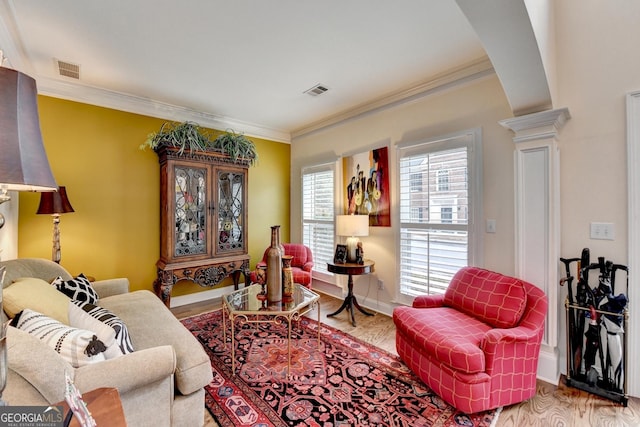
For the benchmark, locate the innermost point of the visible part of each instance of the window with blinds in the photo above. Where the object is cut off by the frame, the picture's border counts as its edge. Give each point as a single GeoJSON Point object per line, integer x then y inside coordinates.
{"type": "Point", "coordinates": [318, 214]}
{"type": "Point", "coordinates": [434, 213]}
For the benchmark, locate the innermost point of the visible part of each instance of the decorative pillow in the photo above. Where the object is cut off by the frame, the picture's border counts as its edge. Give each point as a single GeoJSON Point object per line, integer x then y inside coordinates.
{"type": "Point", "coordinates": [79, 347]}
{"type": "Point", "coordinates": [38, 295]}
{"type": "Point", "coordinates": [78, 318]}
{"type": "Point", "coordinates": [105, 316]}
{"type": "Point", "coordinates": [79, 289]}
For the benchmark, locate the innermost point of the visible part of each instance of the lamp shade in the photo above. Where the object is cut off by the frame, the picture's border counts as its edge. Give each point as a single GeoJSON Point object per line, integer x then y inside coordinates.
{"type": "Point", "coordinates": [55, 202]}
{"type": "Point", "coordinates": [352, 225]}
{"type": "Point", "coordinates": [23, 161]}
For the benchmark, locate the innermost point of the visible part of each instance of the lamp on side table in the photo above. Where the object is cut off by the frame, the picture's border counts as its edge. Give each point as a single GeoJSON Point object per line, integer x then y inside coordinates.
{"type": "Point", "coordinates": [352, 227]}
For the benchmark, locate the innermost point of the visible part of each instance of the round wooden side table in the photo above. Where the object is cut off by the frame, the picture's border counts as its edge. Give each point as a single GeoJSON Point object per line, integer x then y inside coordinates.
{"type": "Point", "coordinates": [350, 301]}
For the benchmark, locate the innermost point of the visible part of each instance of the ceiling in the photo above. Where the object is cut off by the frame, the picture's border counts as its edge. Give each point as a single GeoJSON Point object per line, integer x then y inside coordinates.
{"type": "Point", "coordinates": [242, 64]}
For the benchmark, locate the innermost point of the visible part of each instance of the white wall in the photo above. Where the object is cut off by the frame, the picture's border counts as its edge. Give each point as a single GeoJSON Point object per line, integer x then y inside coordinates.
{"type": "Point", "coordinates": [478, 104]}
{"type": "Point", "coordinates": [597, 65]}
{"type": "Point", "coordinates": [595, 73]}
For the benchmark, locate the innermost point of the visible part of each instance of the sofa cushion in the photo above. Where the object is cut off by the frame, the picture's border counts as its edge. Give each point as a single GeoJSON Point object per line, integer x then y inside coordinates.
{"type": "Point", "coordinates": [151, 324]}
{"type": "Point", "coordinates": [38, 295]}
{"type": "Point", "coordinates": [77, 346]}
{"type": "Point", "coordinates": [112, 320]}
{"type": "Point", "coordinates": [78, 288]}
{"type": "Point", "coordinates": [446, 334]}
{"type": "Point", "coordinates": [491, 297]}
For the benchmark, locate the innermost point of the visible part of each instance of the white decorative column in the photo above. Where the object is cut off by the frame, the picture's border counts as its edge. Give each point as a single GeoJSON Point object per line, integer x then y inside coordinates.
{"type": "Point", "coordinates": [633, 179]}
{"type": "Point", "coordinates": [537, 224]}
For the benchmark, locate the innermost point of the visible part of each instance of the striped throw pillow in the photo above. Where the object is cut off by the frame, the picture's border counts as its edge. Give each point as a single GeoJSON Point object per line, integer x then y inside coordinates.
{"type": "Point", "coordinates": [105, 316]}
{"type": "Point", "coordinates": [79, 347]}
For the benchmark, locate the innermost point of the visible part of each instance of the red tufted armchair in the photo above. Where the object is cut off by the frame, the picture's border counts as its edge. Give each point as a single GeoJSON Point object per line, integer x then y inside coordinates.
{"type": "Point", "coordinates": [301, 264]}
{"type": "Point", "coordinates": [476, 346]}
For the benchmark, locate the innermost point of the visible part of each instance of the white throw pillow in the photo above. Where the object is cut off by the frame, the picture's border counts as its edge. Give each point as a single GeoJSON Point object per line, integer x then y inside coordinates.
{"type": "Point", "coordinates": [78, 318]}
{"type": "Point", "coordinates": [110, 319]}
{"type": "Point", "coordinates": [79, 347]}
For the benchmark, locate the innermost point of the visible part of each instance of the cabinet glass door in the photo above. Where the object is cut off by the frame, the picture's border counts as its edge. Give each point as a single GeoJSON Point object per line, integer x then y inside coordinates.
{"type": "Point", "coordinates": [230, 211]}
{"type": "Point", "coordinates": [190, 211]}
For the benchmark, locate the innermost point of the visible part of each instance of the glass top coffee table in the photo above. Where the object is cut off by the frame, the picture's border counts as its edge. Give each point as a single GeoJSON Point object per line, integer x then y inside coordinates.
{"type": "Point", "coordinates": [245, 306]}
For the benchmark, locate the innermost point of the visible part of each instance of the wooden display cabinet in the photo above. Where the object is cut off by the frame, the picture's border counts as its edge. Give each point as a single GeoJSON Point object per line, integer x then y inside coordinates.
{"type": "Point", "coordinates": [203, 220]}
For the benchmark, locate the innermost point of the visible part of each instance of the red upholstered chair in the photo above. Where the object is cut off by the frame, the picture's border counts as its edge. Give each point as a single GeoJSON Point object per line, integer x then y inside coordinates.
{"type": "Point", "coordinates": [301, 264]}
{"type": "Point", "coordinates": [476, 346]}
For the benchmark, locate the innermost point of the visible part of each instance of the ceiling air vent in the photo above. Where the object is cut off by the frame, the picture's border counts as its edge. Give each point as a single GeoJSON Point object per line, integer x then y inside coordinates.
{"type": "Point", "coordinates": [68, 69]}
{"type": "Point", "coordinates": [316, 90]}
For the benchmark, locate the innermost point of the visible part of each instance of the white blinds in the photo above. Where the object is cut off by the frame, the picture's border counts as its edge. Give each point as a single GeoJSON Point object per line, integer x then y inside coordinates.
{"type": "Point", "coordinates": [434, 217]}
{"type": "Point", "coordinates": [318, 214]}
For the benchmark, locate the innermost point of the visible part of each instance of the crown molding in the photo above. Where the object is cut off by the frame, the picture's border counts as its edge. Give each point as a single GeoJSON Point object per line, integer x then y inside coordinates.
{"type": "Point", "coordinates": [73, 91]}
{"type": "Point", "coordinates": [472, 71]}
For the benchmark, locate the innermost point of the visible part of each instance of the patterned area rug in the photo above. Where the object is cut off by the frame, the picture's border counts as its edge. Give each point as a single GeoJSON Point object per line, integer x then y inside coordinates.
{"type": "Point", "coordinates": [266, 361]}
{"type": "Point", "coordinates": [342, 381]}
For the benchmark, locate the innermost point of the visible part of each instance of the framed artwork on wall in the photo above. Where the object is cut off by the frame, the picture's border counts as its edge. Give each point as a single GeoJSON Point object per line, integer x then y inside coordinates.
{"type": "Point", "coordinates": [366, 183]}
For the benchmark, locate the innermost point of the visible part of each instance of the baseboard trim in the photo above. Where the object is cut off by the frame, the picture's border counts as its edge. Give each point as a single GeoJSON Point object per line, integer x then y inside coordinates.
{"type": "Point", "coordinates": [549, 365]}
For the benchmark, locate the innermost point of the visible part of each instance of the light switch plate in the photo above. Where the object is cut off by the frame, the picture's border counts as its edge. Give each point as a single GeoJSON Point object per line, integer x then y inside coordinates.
{"type": "Point", "coordinates": [602, 231]}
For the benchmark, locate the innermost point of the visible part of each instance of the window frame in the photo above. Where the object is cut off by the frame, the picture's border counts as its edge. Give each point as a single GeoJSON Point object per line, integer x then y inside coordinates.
{"type": "Point", "coordinates": [318, 273]}
{"type": "Point", "coordinates": [472, 139]}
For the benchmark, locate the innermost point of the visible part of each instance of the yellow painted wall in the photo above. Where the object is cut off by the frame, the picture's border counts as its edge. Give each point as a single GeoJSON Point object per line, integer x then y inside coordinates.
{"type": "Point", "coordinates": [114, 189]}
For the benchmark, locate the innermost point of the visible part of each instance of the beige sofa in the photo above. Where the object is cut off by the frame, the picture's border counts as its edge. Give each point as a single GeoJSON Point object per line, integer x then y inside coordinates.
{"type": "Point", "coordinates": [161, 383]}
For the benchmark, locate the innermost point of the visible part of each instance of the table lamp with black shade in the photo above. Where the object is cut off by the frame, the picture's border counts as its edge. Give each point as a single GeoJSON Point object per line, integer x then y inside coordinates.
{"type": "Point", "coordinates": [54, 204]}
{"type": "Point", "coordinates": [23, 161]}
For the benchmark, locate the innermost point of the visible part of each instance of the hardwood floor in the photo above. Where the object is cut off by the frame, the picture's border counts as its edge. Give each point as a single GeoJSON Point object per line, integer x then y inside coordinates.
{"type": "Point", "coordinates": [551, 406]}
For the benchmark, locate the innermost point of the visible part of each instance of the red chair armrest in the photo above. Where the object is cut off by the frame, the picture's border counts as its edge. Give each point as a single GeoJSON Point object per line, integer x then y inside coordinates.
{"type": "Point", "coordinates": [497, 336]}
{"type": "Point", "coordinates": [308, 266]}
{"type": "Point", "coordinates": [517, 345]}
{"type": "Point", "coordinates": [428, 301]}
